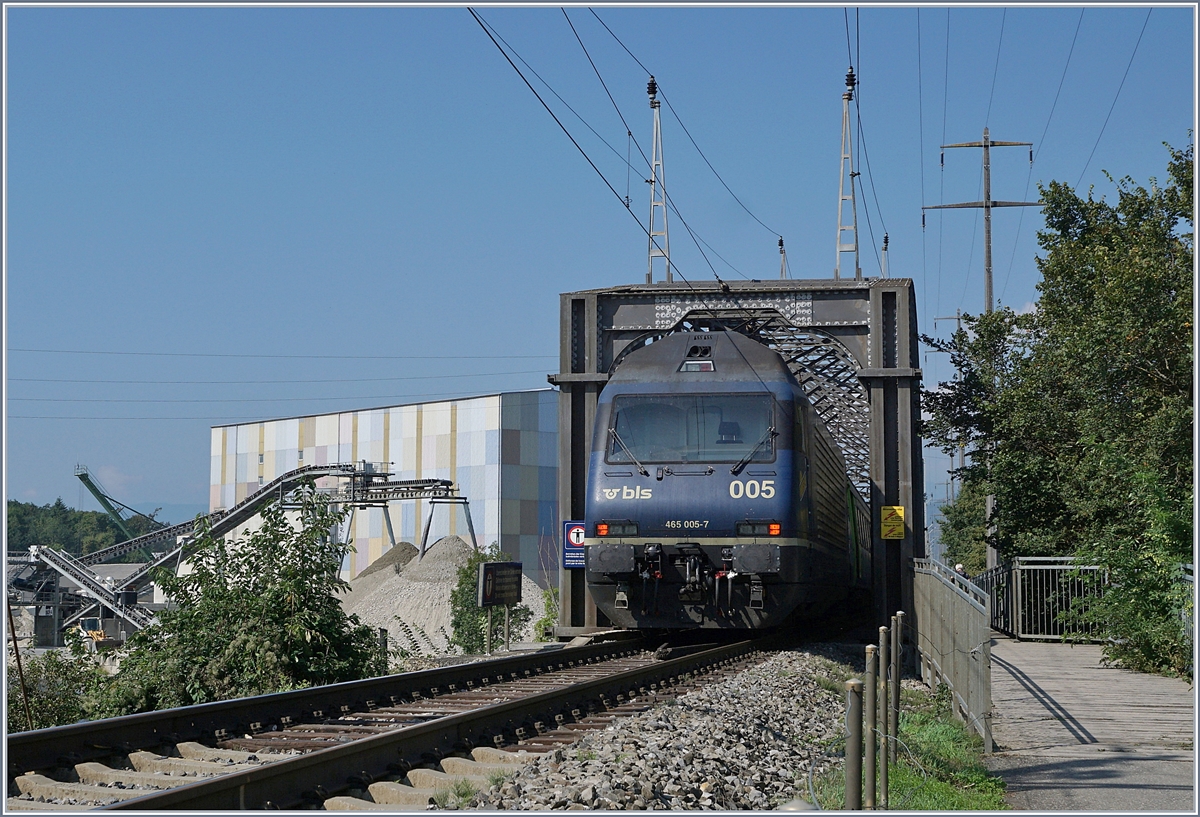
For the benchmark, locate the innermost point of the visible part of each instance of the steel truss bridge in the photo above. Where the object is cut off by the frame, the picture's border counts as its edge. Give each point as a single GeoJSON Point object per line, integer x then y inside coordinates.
{"type": "Point", "coordinates": [852, 345]}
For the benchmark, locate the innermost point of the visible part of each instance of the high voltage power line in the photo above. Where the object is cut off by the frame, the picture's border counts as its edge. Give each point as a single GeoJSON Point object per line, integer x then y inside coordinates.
{"type": "Point", "coordinates": [256, 382]}
{"type": "Point", "coordinates": [284, 357]}
{"type": "Point", "coordinates": [1037, 151]}
{"type": "Point", "coordinates": [1115, 96]}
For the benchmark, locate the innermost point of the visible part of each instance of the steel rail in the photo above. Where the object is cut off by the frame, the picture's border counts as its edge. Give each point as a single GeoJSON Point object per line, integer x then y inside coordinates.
{"type": "Point", "coordinates": [93, 740]}
{"type": "Point", "coordinates": [311, 778]}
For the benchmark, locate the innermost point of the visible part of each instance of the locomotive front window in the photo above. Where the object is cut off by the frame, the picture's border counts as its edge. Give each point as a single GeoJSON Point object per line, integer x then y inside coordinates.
{"type": "Point", "coordinates": [690, 428]}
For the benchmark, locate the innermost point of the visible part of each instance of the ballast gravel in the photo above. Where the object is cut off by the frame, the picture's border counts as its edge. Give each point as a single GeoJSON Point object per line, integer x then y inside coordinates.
{"type": "Point", "coordinates": [746, 742]}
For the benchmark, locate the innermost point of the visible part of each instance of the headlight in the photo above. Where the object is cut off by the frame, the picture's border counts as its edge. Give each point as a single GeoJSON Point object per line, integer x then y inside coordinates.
{"type": "Point", "coordinates": [625, 528]}
{"type": "Point", "coordinates": [752, 528]}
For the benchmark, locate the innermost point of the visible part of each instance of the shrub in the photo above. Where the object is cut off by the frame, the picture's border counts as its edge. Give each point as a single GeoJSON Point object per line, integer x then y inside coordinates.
{"type": "Point", "coordinates": [468, 620]}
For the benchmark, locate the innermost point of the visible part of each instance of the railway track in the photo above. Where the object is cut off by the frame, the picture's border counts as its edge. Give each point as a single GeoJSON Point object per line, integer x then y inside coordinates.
{"type": "Point", "coordinates": [389, 743]}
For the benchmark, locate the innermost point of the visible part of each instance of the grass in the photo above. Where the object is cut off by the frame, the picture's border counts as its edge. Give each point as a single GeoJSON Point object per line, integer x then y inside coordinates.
{"type": "Point", "coordinates": [940, 765]}
{"type": "Point", "coordinates": [460, 794]}
{"type": "Point", "coordinates": [498, 777]}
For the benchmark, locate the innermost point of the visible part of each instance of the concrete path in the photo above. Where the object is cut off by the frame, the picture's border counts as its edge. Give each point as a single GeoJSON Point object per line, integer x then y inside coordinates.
{"type": "Point", "coordinates": [1073, 734]}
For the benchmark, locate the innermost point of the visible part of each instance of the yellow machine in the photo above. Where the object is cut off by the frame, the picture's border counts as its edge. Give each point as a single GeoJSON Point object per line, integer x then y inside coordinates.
{"type": "Point", "coordinates": [92, 629]}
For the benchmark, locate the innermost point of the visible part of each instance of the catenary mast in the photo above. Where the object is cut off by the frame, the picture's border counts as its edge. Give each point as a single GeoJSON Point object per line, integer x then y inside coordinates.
{"type": "Point", "coordinates": [658, 195]}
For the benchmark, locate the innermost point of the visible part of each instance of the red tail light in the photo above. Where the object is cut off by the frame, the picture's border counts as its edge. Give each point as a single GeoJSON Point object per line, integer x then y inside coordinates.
{"type": "Point", "coordinates": [774, 529]}
{"type": "Point", "coordinates": [602, 529]}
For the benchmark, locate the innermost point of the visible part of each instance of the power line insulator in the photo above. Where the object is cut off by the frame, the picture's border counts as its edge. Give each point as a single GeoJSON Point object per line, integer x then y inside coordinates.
{"type": "Point", "coordinates": [851, 80]}
{"type": "Point", "coordinates": [652, 87]}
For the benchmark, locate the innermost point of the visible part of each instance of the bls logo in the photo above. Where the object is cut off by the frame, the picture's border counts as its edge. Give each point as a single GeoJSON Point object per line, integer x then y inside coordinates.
{"type": "Point", "coordinates": [627, 493]}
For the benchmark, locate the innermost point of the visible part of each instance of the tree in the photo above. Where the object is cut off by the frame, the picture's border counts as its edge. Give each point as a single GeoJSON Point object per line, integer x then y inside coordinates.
{"type": "Point", "coordinates": [1080, 414]}
{"type": "Point", "coordinates": [468, 621]}
{"type": "Point", "coordinates": [253, 616]}
{"type": "Point", "coordinates": [62, 687]}
{"type": "Point", "coordinates": [962, 529]}
{"type": "Point", "coordinates": [76, 532]}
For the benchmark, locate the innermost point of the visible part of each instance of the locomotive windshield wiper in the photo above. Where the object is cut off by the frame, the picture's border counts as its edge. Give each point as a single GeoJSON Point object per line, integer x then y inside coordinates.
{"type": "Point", "coordinates": [769, 434]}
{"type": "Point", "coordinates": [641, 468]}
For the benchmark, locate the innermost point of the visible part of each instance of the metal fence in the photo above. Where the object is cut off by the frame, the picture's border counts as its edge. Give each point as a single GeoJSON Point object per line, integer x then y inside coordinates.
{"type": "Point", "coordinates": [954, 641]}
{"type": "Point", "coordinates": [1030, 595]}
{"type": "Point", "coordinates": [1188, 578]}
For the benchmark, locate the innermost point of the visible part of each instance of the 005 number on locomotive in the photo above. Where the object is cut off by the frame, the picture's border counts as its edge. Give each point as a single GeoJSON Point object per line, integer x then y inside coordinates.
{"type": "Point", "coordinates": [752, 489]}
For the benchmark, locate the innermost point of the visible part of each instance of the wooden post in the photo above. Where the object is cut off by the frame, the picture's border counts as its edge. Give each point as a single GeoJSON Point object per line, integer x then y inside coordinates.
{"type": "Point", "coordinates": [897, 671]}
{"type": "Point", "coordinates": [869, 706]}
{"type": "Point", "coordinates": [883, 717]}
{"type": "Point", "coordinates": [12, 628]}
{"type": "Point", "coordinates": [854, 744]}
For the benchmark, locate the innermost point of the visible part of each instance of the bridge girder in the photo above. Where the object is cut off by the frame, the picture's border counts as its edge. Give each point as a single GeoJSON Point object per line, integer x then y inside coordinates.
{"type": "Point", "coordinates": [852, 345]}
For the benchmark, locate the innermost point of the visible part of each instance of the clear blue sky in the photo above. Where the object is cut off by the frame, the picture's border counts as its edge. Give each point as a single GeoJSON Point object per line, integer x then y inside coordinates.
{"type": "Point", "coordinates": [212, 184]}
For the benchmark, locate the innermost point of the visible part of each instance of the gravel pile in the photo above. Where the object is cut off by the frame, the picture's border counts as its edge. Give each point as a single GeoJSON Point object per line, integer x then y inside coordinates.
{"type": "Point", "coordinates": [418, 593]}
{"type": "Point", "coordinates": [745, 743]}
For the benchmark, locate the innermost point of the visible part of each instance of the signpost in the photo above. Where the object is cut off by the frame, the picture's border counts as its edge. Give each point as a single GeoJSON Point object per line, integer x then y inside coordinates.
{"type": "Point", "coordinates": [891, 522]}
{"type": "Point", "coordinates": [573, 550]}
{"type": "Point", "coordinates": [499, 585]}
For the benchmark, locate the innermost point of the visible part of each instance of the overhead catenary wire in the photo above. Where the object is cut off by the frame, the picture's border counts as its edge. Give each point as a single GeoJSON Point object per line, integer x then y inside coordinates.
{"type": "Point", "coordinates": [494, 36]}
{"type": "Point", "coordinates": [846, 17]}
{"type": "Point", "coordinates": [557, 121]}
{"type": "Point", "coordinates": [629, 135]}
{"type": "Point", "coordinates": [490, 31]}
{"type": "Point", "coordinates": [591, 62]}
{"type": "Point", "coordinates": [688, 133]}
{"type": "Point", "coordinates": [724, 286]}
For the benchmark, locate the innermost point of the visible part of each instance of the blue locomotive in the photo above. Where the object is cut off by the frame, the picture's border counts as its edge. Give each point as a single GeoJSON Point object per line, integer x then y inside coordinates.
{"type": "Point", "coordinates": [715, 496]}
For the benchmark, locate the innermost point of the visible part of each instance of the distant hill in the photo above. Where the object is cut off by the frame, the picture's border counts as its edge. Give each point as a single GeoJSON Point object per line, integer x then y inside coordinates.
{"type": "Point", "coordinates": [77, 532]}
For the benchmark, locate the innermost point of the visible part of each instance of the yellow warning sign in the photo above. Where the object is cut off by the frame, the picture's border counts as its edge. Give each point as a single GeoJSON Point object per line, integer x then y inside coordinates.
{"type": "Point", "coordinates": [891, 522]}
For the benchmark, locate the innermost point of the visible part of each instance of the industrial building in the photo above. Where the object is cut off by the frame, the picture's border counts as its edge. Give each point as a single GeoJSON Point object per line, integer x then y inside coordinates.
{"type": "Point", "coordinates": [500, 450]}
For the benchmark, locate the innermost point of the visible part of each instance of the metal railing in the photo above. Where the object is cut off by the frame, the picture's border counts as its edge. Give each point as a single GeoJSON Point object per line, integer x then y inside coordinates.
{"type": "Point", "coordinates": [1187, 577]}
{"type": "Point", "coordinates": [1030, 596]}
{"type": "Point", "coordinates": [954, 642]}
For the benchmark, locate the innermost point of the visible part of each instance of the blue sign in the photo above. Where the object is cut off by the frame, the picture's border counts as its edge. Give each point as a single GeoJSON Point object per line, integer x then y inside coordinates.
{"type": "Point", "coordinates": [573, 544]}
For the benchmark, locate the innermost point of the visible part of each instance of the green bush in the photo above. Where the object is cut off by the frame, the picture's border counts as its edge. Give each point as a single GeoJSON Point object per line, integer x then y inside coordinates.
{"type": "Point", "coordinates": [1141, 607]}
{"type": "Point", "coordinates": [62, 687]}
{"type": "Point", "coordinates": [253, 616]}
{"type": "Point", "coordinates": [468, 620]}
{"type": "Point", "coordinates": [549, 618]}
